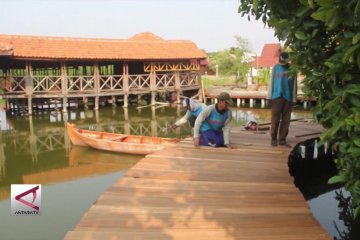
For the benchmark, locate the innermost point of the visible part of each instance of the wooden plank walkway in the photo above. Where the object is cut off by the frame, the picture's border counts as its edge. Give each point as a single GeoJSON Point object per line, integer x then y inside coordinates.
{"type": "Point", "coordinates": [186, 193]}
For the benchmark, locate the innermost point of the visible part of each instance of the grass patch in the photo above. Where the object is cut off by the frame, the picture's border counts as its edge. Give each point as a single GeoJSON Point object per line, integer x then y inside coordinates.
{"type": "Point", "coordinates": [2, 103]}
{"type": "Point", "coordinates": [210, 81]}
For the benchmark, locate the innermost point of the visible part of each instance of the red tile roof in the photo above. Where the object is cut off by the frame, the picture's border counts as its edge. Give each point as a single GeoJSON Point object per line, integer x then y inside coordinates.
{"type": "Point", "coordinates": [144, 46]}
{"type": "Point", "coordinates": [269, 56]}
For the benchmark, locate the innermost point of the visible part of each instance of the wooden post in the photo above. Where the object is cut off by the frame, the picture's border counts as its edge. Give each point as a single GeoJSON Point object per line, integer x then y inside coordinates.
{"type": "Point", "coordinates": [243, 101]}
{"type": "Point", "coordinates": [65, 118]}
{"type": "Point", "coordinates": [305, 104]}
{"type": "Point", "coordinates": [29, 86]}
{"type": "Point", "coordinates": [126, 114]}
{"type": "Point", "coordinates": [178, 100]}
{"type": "Point", "coordinates": [153, 100]}
{"type": "Point", "coordinates": [56, 104]}
{"type": "Point", "coordinates": [97, 120]}
{"type": "Point", "coordinates": [29, 105]}
{"type": "Point", "coordinates": [262, 103]}
{"type": "Point", "coordinates": [153, 84]}
{"type": "Point", "coordinates": [251, 102]}
{"type": "Point", "coordinates": [96, 108]}
{"type": "Point", "coordinates": [139, 99]}
{"type": "Point", "coordinates": [126, 84]}
{"type": "Point", "coordinates": [86, 102]}
{"type": "Point", "coordinates": [238, 102]}
{"type": "Point", "coordinates": [113, 101]}
{"type": "Point", "coordinates": [153, 113]}
{"type": "Point", "coordinates": [177, 86]}
{"type": "Point", "coordinates": [98, 125]}
{"type": "Point", "coordinates": [67, 141]}
{"type": "Point", "coordinates": [96, 85]}
{"type": "Point", "coordinates": [154, 128]}
{"type": "Point", "coordinates": [64, 104]}
{"type": "Point", "coordinates": [64, 86]}
{"type": "Point", "coordinates": [126, 101]}
{"type": "Point", "coordinates": [178, 110]}
{"type": "Point", "coordinates": [127, 122]}
{"type": "Point", "coordinates": [32, 141]}
{"type": "Point", "coordinates": [202, 96]}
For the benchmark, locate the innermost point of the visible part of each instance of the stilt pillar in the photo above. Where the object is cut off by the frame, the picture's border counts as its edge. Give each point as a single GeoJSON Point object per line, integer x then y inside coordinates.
{"type": "Point", "coordinates": [96, 103]}
{"type": "Point", "coordinates": [64, 104]}
{"type": "Point", "coordinates": [251, 102]}
{"type": "Point", "coordinates": [29, 105]}
{"type": "Point", "coordinates": [126, 101]}
{"type": "Point", "coordinates": [262, 103]}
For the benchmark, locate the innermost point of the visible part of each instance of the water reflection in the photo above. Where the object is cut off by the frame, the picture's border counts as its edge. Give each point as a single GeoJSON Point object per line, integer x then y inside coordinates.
{"type": "Point", "coordinates": [351, 231]}
{"type": "Point", "coordinates": [83, 162]}
{"type": "Point", "coordinates": [330, 203]}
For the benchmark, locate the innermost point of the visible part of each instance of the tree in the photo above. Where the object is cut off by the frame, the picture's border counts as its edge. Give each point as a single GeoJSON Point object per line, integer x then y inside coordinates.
{"type": "Point", "coordinates": [324, 39]}
{"type": "Point", "coordinates": [231, 61]}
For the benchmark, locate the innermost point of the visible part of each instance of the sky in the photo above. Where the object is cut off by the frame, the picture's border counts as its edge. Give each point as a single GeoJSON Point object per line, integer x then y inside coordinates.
{"type": "Point", "coordinates": [210, 24]}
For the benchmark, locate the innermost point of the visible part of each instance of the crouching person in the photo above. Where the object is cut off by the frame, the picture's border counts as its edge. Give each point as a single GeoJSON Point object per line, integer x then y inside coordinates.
{"type": "Point", "coordinates": [193, 109]}
{"type": "Point", "coordinates": [212, 126]}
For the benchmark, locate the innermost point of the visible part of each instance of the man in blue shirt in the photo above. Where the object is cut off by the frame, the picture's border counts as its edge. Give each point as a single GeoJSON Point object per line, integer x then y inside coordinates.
{"type": "Point", "coordinates": [281, 94]}
{"type": "Point", "coordinates": [212, 126]}
{"type": "Point", "coordinates": [193, 110]}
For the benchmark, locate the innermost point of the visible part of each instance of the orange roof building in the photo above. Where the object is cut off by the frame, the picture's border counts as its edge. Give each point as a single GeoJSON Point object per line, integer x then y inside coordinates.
{"type": "Point", "coordinates": [143, 46]}
{"type": "Point", "coordinates": [80, 67]}
{"type": "Point", "coordinates": [269, 56]}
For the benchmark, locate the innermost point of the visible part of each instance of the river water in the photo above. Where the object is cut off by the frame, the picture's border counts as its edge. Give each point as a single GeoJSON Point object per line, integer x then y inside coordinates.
{"type": "Point", "coordinates": [36, 150]}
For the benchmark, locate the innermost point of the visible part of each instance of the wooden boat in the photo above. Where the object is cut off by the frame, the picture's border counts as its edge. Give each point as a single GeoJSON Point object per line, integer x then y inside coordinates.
{"type": "Point", "coordinates": [116, 142]}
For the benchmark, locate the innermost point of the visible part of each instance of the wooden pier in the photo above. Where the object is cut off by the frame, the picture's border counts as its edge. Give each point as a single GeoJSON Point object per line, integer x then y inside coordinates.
{"type": "Point", "coordinates": [184, 192]}
{"type": "Point", "coordinates": [251, 98]}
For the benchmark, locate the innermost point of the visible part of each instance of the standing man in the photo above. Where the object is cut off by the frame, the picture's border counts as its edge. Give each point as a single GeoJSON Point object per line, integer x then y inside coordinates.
{"type": "Point", "coordinates": [282, 93]}
{"type": "Point", "coordinates": [212, 126]}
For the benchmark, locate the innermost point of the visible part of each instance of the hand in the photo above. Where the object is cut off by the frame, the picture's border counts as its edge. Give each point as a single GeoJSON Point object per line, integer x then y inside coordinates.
{"type": "Point", "coordinates": [196, 142]}
{"type": "Point", "coordinates": [173, 126]}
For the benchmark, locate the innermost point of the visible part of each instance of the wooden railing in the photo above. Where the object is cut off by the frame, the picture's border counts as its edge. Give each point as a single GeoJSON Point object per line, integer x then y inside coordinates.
{"type": "Point", "coordinates": [165, 81]}
{"type": "Point", "coordinates": [81, 84]}
{"type": "Point", "coordinates": [56, 85]}
{"type": "Point", "coordinates": [189, 79]}
{"type": "Point", "coordinates": [111, 82]}
{"type": "Point", "coordinates": [47, 84]}
{"type": "Point", "coordinates": [13, 84]}
{"type": "Point", "coordinates": [139, 82]}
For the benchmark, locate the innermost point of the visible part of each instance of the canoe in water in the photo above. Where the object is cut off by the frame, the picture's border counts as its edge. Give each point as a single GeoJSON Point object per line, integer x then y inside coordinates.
{"type": "Point", "coordinates": [116, 142]}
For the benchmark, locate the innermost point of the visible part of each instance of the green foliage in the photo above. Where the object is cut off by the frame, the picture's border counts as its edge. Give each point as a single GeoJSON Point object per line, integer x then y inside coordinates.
{"type": "Point", "coordinates": [263, 76]}
{"type": "Point", "coordinates": [231, 61]}
{"type": "Point", "coordinates": [324, 37]}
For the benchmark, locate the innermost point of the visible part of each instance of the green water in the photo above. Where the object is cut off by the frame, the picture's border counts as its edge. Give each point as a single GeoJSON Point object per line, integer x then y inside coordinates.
{"type": "Point", "coordinates": [36, 150]}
